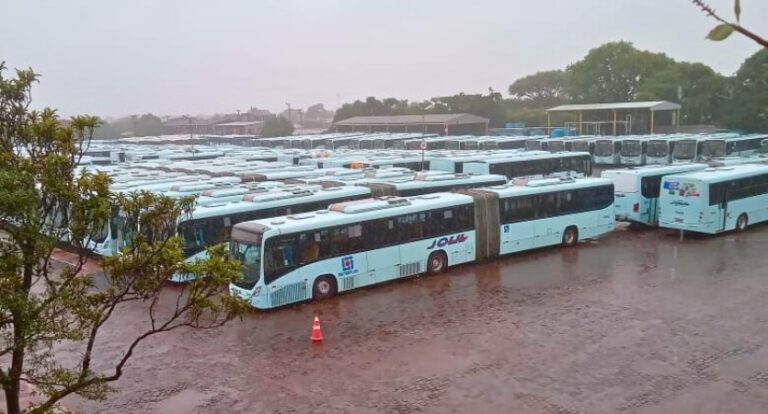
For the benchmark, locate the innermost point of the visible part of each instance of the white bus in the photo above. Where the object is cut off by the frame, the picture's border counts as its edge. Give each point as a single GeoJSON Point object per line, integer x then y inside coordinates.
{"type": "Point", "coordinates": [633, 150]}
{"type": "Point", "coordinates": [355, 244]}
{"type": "Point", "coordinates": [432, 182]}
{"type": "Point", "coordinates": [565, 163]}
{"type": "Point", "coordinates": [715, 199]}
{"type": "Point", "coordinates": [660, 150]}
{"type": "Point", "coordinates": [637, 190]}
{"type": "Point", "coordinates": [741, 146]}
{"type": "Point", "coordinates": [607, 151]}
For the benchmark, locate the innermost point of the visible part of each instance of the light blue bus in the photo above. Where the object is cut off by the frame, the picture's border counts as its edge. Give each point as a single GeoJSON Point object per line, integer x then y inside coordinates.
{"type": "Point", "coordinates": [715, 199]}
{"type": "Point", "coordinates": [355, 244]}
{"type": "Point", "coordinates": [607, 151]}
{"type": "Point", "coordinates": [637, 190]}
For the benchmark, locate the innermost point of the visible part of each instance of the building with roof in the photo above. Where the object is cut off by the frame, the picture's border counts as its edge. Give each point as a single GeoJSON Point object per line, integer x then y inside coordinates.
{"type": "Point", "coordinates": [619, 118]}
{"type": "Point", "coordinates": [441, 124]}
{"type": "Point", "coordinates": [190, 125]}
{"type": "Point", "coordinates": [238, 128]}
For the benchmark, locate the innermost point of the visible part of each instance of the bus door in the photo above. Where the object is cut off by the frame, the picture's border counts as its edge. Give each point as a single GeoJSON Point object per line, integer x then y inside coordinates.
{"type": "Point", "coordinates": [383, 255]}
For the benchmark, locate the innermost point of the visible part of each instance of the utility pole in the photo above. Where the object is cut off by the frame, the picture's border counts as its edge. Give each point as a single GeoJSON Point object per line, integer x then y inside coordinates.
{"type": "Point", "coordinates": [191, 138]}
{"type": "Point", "coordinates": [289, 111]}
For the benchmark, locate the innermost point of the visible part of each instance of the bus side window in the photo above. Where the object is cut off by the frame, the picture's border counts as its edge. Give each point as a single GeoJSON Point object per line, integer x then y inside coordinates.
{"type": "Point", "coordinates": [380, 233]}
{"type": "Point", "coordinates": [280, 257]}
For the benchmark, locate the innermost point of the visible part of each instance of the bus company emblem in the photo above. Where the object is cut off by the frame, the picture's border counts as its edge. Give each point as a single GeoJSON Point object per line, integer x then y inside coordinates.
{"type": "Point", "coordinates": [680, 203]}
{"type": "Point", "coordinates": [347, 263]}
{"type": "Point", "coordinates": [348, 266]}
{"type": "Point", "coordinates": [447, 241]}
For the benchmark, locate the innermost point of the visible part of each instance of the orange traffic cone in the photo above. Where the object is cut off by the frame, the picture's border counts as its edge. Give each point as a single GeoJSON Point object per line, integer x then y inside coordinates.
{"type": "Point", "coordinates": [317, 334]}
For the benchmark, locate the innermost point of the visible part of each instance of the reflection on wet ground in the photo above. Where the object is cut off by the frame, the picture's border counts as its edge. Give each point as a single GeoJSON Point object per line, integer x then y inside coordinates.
{"type": "Point", "coordinates": [636, 322]}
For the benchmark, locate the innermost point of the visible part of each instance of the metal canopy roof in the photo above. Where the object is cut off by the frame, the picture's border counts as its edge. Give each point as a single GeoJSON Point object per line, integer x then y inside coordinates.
{"type": "Point", "coordinates": [617, 106]}
{"type": "Point", "coordinates": [414, 119]}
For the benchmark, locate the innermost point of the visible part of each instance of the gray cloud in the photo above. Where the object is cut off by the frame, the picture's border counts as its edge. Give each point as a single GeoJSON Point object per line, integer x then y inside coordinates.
{"type": "Point", "coordinates": [173, 57]}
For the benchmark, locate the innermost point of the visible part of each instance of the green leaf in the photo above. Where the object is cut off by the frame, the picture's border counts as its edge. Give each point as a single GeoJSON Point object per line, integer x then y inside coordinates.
{"type": "Point", "coordinates": [737, 9]}
{"type": "Point", "coordinates": [720, 32]}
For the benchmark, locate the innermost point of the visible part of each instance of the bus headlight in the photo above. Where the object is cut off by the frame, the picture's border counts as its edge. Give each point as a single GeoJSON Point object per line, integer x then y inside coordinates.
{"type": "Point", "coordinates": [257, 291]}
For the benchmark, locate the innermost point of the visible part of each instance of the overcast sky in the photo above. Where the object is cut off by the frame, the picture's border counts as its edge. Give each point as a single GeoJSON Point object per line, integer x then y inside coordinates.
{"type": "Point", "coordinates": [192, 57]}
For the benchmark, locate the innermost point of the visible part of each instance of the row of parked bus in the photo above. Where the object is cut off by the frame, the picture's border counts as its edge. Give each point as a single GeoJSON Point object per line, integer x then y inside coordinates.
{"type": "Point", "coordinates": [386, 221]}
{"type": "Point", "coordinates": [354, 244]}
{"type": "Point", "coordinates": [692, 197]}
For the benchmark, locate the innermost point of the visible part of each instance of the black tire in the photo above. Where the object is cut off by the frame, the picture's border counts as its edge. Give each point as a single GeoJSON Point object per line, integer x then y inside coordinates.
{"type": "Point", "coordinates": [570, 236]}
{"type": "Point", "coordinates": [324, 287]}
{"type": "Point", "coordinates": [437, 262]}
{"type": "Point", "coordinates": [742, 223]}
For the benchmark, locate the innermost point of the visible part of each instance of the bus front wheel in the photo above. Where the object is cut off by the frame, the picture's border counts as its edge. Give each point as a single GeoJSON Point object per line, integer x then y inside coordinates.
{"type": "Point", "coordinates": [570, 236]}
{"type": "Point", "coordinates": [324, 287]}
{"type": "Point", "coordinates": [437, 263]}
{"type": "Point", "coordinates": [742, 222]}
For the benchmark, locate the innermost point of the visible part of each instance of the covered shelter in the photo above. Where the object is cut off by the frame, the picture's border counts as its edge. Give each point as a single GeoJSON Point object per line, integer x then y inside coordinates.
{"type": "Point", "coordinates": [441, 124]}
{"type": "Point", "coordinates": [613, 109]}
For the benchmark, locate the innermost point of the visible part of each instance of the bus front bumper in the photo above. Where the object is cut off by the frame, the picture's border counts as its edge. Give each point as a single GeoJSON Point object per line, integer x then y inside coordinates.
{"type": "Point", "coordinates": [254, 297]}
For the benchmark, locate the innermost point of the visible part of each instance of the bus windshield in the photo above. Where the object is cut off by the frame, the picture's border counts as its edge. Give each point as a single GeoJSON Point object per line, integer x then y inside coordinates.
{"type": "Point", "coordinates": [658, 148]}
{"type": "Point", "coordinates": [581, 146]}
{"type": "Point", "coordinates": [685, 149]}
{"type": "Point", "coordinates": [249, 255]}
{"type": "Point", "coordinates": [631, 148]}
{"type": "Point", "coordinates": [713, 149]}
{"type": "Point", "coordinates": [603, 148]}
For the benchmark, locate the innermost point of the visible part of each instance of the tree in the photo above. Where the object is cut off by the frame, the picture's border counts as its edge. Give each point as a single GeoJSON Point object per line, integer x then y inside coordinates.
{"type": "Point", "coordinates": [45, 199]}
{"type": "Point", "coordinates": [276, 126]}
{"type": "Point", "coordinates": [540, 89]}
{"type": "Point", "coordinates": [748, 108]}
{"type": "Point", "coordinates": [723, 30]}
{"type": "Point", "coordinates": [490, 106]}
{"type": "Point", "coordinates": [317, 112]}
{"type": "Point", "coordinates": [700, 90]}
{"type": "Point", "coordinates": [612, 72]}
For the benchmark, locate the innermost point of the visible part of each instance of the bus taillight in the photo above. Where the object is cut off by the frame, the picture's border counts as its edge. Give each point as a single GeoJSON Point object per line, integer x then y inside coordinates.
{"type": "Point", "coordinates": [636, 207]}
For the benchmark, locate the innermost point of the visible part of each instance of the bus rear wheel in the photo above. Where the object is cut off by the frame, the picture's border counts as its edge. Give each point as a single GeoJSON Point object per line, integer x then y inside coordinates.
{"type": "Point", "coordinates": [742, 222]}
{"type": "Point", "coordinates": [570, 236]}
{"type": "Point", "coordinates": [437, 263]}
{"type": "Point", "coordinates": [324, 287]}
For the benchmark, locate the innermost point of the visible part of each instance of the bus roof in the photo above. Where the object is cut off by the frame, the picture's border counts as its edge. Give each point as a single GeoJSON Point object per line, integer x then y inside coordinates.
{"type": "Point", "coordinates": [440, 178]}
{"type": "Point", "coordinates": [541, 156]}
{"type": "Point", "coordinates": [655, 169]}
{"type": "Point", "coordinates": [350, 212]}
{"type": "Point", "coordinates": [714, 175]}
{"type": "Point", "coordinates": [271, 199]}
{"type": "Point", "coordinates": [518, 187]}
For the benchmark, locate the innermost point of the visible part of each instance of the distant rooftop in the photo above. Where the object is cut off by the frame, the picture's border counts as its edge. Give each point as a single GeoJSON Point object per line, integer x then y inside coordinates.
{"type": "Point", "coordinates": [240, 123]}
{"type": "Point", "coordinates": [414, 119]}
{"type": "Point", "coordinates": [649, 105]}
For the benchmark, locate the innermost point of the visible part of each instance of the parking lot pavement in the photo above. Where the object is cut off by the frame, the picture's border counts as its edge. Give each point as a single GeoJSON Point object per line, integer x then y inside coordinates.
{"type": "Point", "coordinates": [636, 322]}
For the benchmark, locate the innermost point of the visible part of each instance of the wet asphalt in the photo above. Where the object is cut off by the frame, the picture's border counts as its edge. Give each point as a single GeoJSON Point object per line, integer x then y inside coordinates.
{"type": "Point", "coordinates": [637, 321]}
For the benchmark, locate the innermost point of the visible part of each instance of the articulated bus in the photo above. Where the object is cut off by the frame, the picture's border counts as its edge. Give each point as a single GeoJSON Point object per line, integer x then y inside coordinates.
{"type": "Point", "coordinates": [355, 244]}
{"type": "Point", "coordinates": [607, 151]}
{"type": "Point", "coordinates": [637, 190]}
{"type": "Point", "coordinates": [715, 199]}
{"type": "Point", "coordinates": [566, 163]}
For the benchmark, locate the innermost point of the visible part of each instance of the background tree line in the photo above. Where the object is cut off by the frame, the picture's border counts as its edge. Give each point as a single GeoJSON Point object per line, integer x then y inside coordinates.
{"type": "Point", "coordinates": [613, 72]}
{"type": "Point", "coordinates": [134, 125]}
